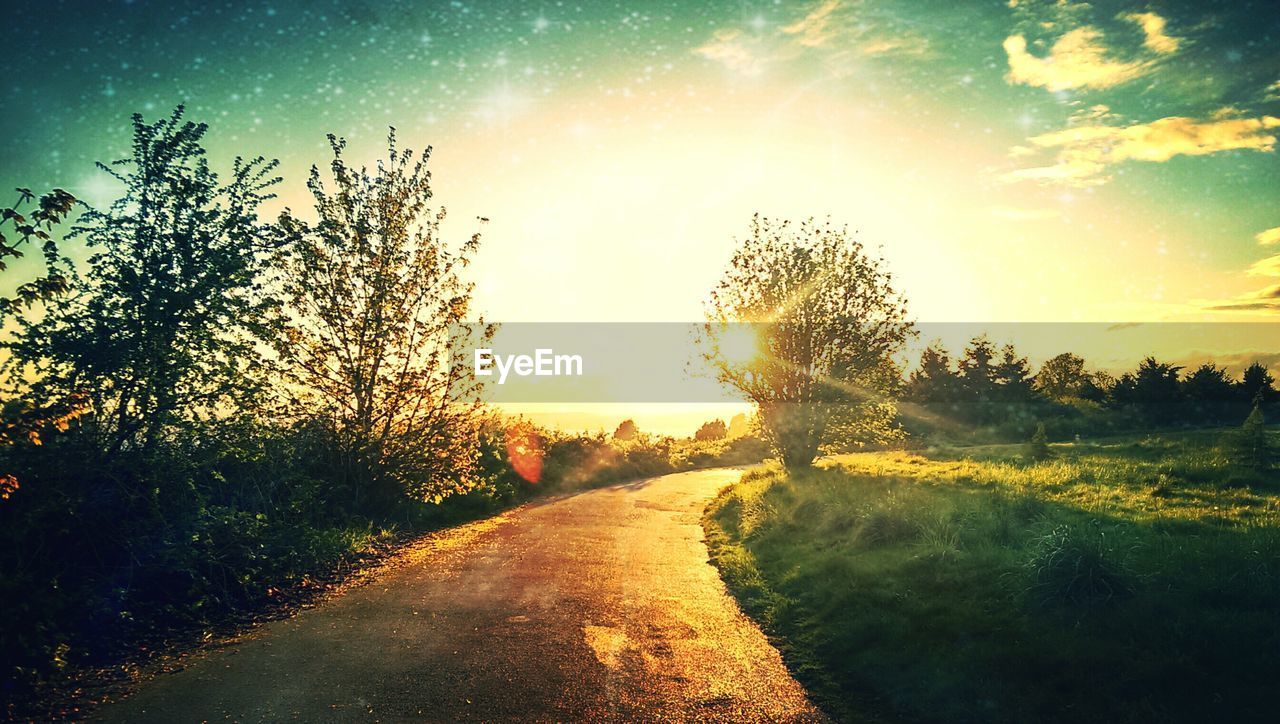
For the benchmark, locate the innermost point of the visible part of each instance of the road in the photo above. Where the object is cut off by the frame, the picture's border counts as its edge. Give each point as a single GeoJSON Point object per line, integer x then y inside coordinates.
{"type": "Point", "coordinates": [594, 606]}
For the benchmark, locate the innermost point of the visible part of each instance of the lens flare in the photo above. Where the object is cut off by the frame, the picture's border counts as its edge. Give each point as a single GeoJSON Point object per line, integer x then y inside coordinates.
{"type": "Point", "coordinates": [525, 451]}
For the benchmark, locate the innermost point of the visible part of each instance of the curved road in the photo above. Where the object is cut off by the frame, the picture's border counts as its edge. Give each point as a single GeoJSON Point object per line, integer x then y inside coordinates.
{"type": "Point", "coordinates": [599, 605]}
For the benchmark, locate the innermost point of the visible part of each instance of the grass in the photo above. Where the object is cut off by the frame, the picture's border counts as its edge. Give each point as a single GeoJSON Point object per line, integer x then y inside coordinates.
{"type": "Point", "coordinates": [1131, 580]}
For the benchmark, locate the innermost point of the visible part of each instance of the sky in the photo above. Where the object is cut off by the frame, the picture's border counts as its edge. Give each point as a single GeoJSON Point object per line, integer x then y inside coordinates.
{"type": "Point", "coordinates": [1014, 161]}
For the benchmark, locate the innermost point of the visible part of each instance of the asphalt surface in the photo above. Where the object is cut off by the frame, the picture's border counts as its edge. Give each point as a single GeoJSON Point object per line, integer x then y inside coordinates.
{"type": "Point", "coordinates": [596, 606]}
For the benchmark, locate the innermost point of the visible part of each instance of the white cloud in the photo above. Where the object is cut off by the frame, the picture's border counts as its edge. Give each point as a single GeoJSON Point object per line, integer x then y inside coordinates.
{"type": "Point", "coordinates": [736, 52]}
{"type": "Point", "coordinates": [1085, 151]}
{"type": "Point", "coordinates": [1153, 27]}
{"type": "Point", "coordinates": [815, 29]}
{"type": "Point", "coordinates": [1269, 236]}
{"type": "Point", "coordinates": [1272, 93]}
{"type": "Point", "coordinates": [830, 31]}
{"type": "Point", "coordinates": [1080, 58]}
{"type": "Point", "coordinates": [1076, 60]}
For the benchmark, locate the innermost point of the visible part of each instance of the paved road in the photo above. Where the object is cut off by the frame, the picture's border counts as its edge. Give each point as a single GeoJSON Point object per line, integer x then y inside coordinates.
{"type": "Point", "coordinates": [596, 606]}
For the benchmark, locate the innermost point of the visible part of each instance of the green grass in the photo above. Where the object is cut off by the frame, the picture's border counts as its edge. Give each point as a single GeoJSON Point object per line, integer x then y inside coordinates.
{"type": "Point", "coordinates": [1132, 580]}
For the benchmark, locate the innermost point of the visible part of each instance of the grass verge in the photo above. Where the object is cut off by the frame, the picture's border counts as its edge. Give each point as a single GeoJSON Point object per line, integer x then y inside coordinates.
{"type": "Point", "coordinates": [1129, 581]}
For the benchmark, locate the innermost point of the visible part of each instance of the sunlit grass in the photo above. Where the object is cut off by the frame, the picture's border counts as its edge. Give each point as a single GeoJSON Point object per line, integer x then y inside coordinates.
{"type": "Point", "coordinates": [1127, 580]}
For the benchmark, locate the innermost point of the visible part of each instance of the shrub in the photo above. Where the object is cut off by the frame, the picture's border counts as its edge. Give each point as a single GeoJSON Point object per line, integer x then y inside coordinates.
{"type": "Point", "coordinates": [1072, 564]}
{"type": "Point", "coordinates": [1249, 447]}
{"type": "Point", "coordinates": [1038, 447]}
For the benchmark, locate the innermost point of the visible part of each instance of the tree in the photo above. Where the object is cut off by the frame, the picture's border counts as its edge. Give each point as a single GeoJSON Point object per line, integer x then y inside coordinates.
{"type": "Point", "coordinates": [1012, 377]}
{"type": "Point", "coordinates": [977, 371]}
{"type": "Point", "coordinates": [626, 430]}
{"type": "Point", "coordinates": [1038, 447]}
{"type": "Point", "coordinates": [1209, 393]}
{"type": "Point", "coordinates": [1062, 377]}
{"type": "Point", "coordinates": [30, 227]}
{"type": "Point", "coordinates": [714, 430]}
{"type": "Point", "coordinates": [374, 299]}
{"type": "Point", "coordinates": [1098, 387]}
{"type": "Point", "coordinates": [934, 382]}
{"type": "Point", "coordinates": [1152, 391]}
{"type": "Point", "coordinates": [165, 326]}
{"type": "Point", "coordinates": [21, 420]}
{"type": "Point", "coordinates": [738, 427]}
{"type": "Point", "coordinates": [1257, 385]}
{"type": "Point", "coordinates": [829, 324]}
{"type": "Point", "coordinates": [1251, 449]}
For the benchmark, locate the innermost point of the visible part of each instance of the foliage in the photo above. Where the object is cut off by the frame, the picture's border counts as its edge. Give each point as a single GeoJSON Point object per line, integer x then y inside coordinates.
{"type": "Point", "coordinates": [1062, 377]}
{"type": "Point", "coordinates": [982, 397]}
{"type": "Point", "coordinates": [828, 323]}
{"type": "Point", "coordinates": [31, 227]}
{"type": "Point", "coordinates": [164, 328]}
{"type": "Point", "coordinates": [374, 298]}
{"type": "Point", "coordinates": [713, 430]}
{"type": "Point", "coordinates": [626, 430]}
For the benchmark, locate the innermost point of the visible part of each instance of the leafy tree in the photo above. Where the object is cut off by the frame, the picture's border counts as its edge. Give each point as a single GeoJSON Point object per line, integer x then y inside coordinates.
{"type": "Point", "coordinates": [165, 326]}
{"type": "Point", "coordinates": [738, 427]}
{"type": "Point", "coordinates": [1062, 377]}
{"type": "Point", "coordinates": [1152, 391]}
{"type": "Point", "coordinates": [30, 227]}
{"type": "Point", "coordinates": [977, 370]}
{"type": "Point", "coordinates": [1012, 377]}
{"type": "Point", "coordinates": [934, 381]}
{"type": "Point", "coordinates": [714, 430]}
{"type": "Point", "coordinates": [374, 299]}
{"type": "Point", "coordinates": [1257, 385]}
{"type": "Point", "coordinates": [1209, 394]}
{"type": "Point", "coordinates": [626, 430]}
{"type": "Point", "coordinates": [28, 223]}
{"type": "Point", "coordinates": [829, 324]}
{"type": "Point", "coordinates": [1098, 387]}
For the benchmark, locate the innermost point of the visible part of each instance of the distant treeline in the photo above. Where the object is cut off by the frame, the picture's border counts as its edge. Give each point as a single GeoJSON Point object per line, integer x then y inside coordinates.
{"type": "Point", "coordinates": [993, 394]}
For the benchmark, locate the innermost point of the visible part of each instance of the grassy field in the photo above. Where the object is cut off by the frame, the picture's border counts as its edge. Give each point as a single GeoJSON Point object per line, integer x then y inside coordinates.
{"type": "Point", "coordinates": [1131, 580]}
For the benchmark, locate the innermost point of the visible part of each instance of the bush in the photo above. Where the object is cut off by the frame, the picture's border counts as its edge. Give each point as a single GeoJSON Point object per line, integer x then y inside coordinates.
{"type": "Point", "coordinates": [1249, 446]}
{"type": "Point", "coordinates": [1072, 564]}
{"type": "Point", "coordinates": [1038, 447]}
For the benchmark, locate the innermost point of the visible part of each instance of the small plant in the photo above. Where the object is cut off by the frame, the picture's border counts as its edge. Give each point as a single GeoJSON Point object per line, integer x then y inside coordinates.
{"type": "Point", "coordinates": [1162, 486]}
{"type": "Point", "coordinates": [1249, 447]}
{"type": "Point", "coordinates": [1038, 447]}
{"type": "Point", "coordinates": [1072, 564]}
{"type": "Point", "coordinates": [940, 536]}
{"type": "Point", "coordinates": [888, 522]}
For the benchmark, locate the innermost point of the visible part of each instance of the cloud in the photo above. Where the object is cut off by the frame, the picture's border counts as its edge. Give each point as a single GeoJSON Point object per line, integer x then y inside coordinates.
{"type": "Point", "coordinates": [814, 30]}
{"type": "Point", "coordinates": [1266, 299]}
{"type": "Point", "coordinates": [731, 49]}
{"type": "Point", "coordinates": [1234, 362]}
{"type": "Point", "coordinates": [1080, 59]}
{"type": "Point", "coordinates": [1153, 28]}
{"type": "Point", "coordinates": [1076, 60]}
{"type": "Point", "coordinates": [1086, 150]}
{"type": "Point", "coordinates": [829, 31]}
{"type": "Point", "coordinates": [1269, 236]}
{"type": "Point", "coordinates": [1269, 267]}
{"type": "Point", "coordinates": [900, 45]}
